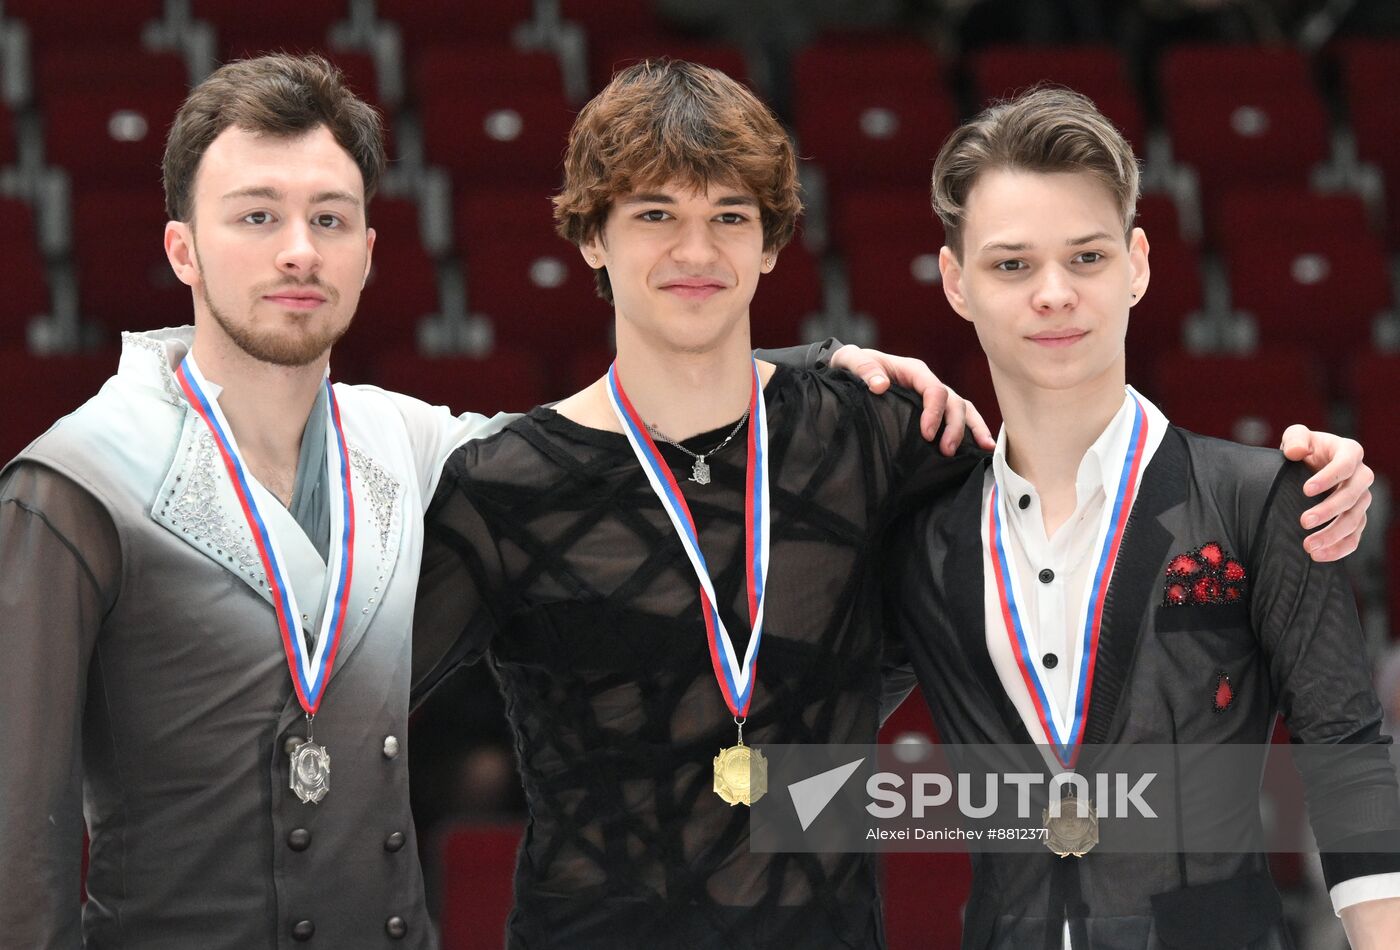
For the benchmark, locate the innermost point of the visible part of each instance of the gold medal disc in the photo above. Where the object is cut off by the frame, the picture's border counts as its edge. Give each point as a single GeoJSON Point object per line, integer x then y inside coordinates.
{"type": "Point", "coordinates": [741, 775]}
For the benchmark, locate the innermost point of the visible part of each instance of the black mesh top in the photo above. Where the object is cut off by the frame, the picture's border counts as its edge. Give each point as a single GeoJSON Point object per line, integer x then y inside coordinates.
{"type": "Point", "coordinates": [548, 552]}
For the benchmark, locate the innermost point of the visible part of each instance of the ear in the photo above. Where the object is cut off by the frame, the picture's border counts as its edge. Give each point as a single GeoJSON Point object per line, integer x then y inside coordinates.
{"type": "Point", "coordinates": [952, 273]}
{"type": "Point", "coordinates": [179, 251]}
{"type": "Point", "coordinates": [768, 261]}
{"type": "Point", "coordinates": [595, 253]}
{"type": "Point", "coordinates": [369, 255]}
{"type": "Point", "coordinates": [1138, 249]}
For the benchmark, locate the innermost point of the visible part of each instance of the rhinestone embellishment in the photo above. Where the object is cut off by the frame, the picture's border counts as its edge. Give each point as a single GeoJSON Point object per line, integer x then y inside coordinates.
{"type": "Point", "coordinates": [167, 375]}
{"type": "Point", "coordinates": [197, 512]}
{"type": "Point", "coordinates": [382, 490]}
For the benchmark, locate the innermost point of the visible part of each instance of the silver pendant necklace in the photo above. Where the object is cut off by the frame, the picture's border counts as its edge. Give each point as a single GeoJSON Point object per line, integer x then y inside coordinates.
{"type": "Point", "coordinates": [700, 470]}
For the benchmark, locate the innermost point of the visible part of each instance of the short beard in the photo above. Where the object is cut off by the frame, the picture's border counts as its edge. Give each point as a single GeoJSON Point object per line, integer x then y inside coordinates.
{"type": "Point", "coordinates": [301, 349]}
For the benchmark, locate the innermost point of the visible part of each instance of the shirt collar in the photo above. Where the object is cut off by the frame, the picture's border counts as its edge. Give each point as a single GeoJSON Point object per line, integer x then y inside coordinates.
{"type": "Point", "coordinates": [1102, 462]}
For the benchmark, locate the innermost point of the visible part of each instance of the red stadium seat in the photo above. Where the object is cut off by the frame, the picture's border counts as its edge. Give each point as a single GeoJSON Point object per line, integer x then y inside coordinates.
{"type": "Point", "coordinates": [24, 287]}
{"type": "Point", "coordinates": [505, 380]}
{"type": "Point", "coordinates": [510, 215]}
{"type": "Point", "coordinates": [785, 298]}
{"type": "Point", "coordinates": [588, 365]}
{"type": "Point", "coordinates": [1372, 387]}
{"type": "Point", "coordinates": [57, 23]}
{"type": "Point", "coordinates": [61, 70]}
{"type": "Point", "coordinates": [1158, 216]}
{"type": "Point", "coordinates": [1099, 72]}
{"type": "Point", "coordinates": [401, 290]}
{"type": "Point", "coordinates": [1243, 114]}
{"type": "Point", "coordinates": [923, 896]}
{"type": "Point", "coordinates": [972, 378]}
{"type": "Point", "coordinates": [870, 113]}
{"type": "Point", "coordinates": [1371, 84]}
{"type": "Point", "coordinates": [538, 294]}
{"type": "Point", "coordinates": [604, 17]}
{"type": "Point", "coordinates": [1321, 293]}
{"type": "Point", "coordinates": [1249, 214]}
{"type": "Point", "coordinates": [491, 135]}
{"type": "Point", "coordinates": [620, 50]}
{"type": "Point", "coordinates": [48, 387]}
{"type": "Point", "coordinates": [1249, 399]}
{"type": "Point", "coordinates": [1174, 292]}
{"type": "Point", "coordinates": [478, 877]}
{"type": "Point", "coordinates": [444, 68]}
{"type": "Point", "coordinates": [124, 278]}
{"type": "Point", "coordinates": [250, 27]}
{"type": "Point", "coordinates": [110, 139]}
{"type": "Point", "coordinates": [898, 286]}
{"type": "Point", "coordinates": [421, 22]}
{"type": "Point", "coordinates": [884, 216]}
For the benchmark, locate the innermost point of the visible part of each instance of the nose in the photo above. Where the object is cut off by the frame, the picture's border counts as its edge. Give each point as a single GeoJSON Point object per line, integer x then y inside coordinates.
{"type": "Point", "coordinates": [1054, 292]}
{"type": "Point", "coordinates": [695, 245]}
{"type": "Point", "coordinates": [298, 255]}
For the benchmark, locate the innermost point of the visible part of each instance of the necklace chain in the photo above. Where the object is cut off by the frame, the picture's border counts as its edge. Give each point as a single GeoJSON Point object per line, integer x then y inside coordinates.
{"type": "Point", "coordinates": [701, 471]}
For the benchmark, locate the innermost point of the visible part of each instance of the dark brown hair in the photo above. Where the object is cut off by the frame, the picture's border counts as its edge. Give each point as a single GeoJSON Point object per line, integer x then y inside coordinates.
{"type": "Point", "coordinates": [279, 95]}
{"type": "Point", "coordinates": [666, 121]}
{"type": "Point", "coordinates": [1047, 129]}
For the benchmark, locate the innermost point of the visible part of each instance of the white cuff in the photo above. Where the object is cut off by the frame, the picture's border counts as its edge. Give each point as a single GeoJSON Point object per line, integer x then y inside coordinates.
{"type": "Point", "coordinates": [1368, 887]}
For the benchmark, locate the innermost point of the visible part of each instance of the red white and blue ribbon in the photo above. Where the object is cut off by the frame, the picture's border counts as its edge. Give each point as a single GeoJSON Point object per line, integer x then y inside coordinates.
{"type": "Point", "coordinates": [1065, 736]}
{"type": "Point", "coordinates": [310, 670]}
{"type": "Point", "coordinates": [736, 679]}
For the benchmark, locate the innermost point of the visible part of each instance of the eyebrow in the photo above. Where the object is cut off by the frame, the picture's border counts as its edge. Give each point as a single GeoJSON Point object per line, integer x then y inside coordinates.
{"type": "Point", "coordinates": [272, 194]}
{"type": "Point", "coordinates": [1024, 246]}
{"type": "Point", "coordinates": [657, 198]}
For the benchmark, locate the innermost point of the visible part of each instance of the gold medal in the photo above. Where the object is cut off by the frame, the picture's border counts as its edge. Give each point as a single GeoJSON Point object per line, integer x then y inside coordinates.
{"type": "Point", "coordinates": [741, 774]}
{"type": "Point", "coordinates": [1072, 833]}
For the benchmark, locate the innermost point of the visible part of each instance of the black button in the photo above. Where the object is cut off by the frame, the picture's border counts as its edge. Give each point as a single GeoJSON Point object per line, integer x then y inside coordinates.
{"type": "Point", "coordinates": [299, 839]}
{"type": "Point", "coordinates": [1025, 502]}
{"type": "Point", "coordinates": [394, 842]}
{"type": "Point", "coordinates": [395, 927]}
{"type": "Point", "coordinates": [303, 931]}
{"type": "Point", "coordinates": [1046, 576]}
{"type": "Point", "coordinates": [291, 744]}
{"type": "Point", "coordinates": [1050, 660]}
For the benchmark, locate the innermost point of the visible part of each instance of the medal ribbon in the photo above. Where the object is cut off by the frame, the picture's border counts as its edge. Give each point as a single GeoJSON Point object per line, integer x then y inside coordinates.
{"type": "Point", "coordinates": [736, 680]}
{"type": "Point", "coordinates": [309, 672]}
{"type": "Point", "coordinates": [1066, 742]}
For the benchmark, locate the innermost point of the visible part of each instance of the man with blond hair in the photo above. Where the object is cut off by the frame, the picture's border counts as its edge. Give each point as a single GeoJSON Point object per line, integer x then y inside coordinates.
{"type": "Point", "coordinates": [1108, 578]}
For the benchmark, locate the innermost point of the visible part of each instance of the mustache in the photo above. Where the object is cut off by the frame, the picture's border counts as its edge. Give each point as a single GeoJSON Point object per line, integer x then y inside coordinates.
{"type": "Point", "coordinates": [313, 283]}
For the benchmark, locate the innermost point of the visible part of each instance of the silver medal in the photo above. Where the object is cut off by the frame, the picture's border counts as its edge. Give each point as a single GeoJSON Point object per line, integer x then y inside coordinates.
{"type": "Point", "coordinates": [311, 772]}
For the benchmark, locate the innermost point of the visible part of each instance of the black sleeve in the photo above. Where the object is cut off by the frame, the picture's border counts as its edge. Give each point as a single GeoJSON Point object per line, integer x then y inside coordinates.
{"type": "Point", "coordinates": [1305, 616]}
{"type": "Point", "coordinates": [459, 608]}
{"type": "Point", "coordinates": [60, 568]}
{"type": "Point", "coordinates": [810, 356]}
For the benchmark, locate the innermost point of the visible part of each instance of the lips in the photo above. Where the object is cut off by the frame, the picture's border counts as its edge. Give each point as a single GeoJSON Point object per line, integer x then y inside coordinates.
{"type": "Point", "coordinates": [296, 299]}
{"type": "Point", "coordinates": [1055, 338]}
{"type": "Point", "coordinates": [693, 288]}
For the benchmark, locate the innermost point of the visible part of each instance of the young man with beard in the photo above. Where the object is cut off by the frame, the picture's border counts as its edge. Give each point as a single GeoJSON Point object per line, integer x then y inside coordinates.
{"type": "Point", "coordinates": [675, 560]}
{"type": "Point", "coordinates": [1106, 577]}
{"type": "Point", "coordinates": [215, 548]}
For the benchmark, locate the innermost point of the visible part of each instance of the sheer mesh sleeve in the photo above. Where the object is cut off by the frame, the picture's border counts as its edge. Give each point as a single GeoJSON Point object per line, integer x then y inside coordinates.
{"type": "Point", "coordinates": [591, 618]}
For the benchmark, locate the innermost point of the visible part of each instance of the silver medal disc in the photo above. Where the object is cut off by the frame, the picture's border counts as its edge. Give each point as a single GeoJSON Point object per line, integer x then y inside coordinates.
{"type": "Point", "coordinates": [311, 772]}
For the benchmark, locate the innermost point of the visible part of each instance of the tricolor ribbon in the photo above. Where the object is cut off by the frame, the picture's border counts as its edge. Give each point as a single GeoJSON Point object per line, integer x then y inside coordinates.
{"type": "Point", "coordinates": [1066, 737]}
{"type": "Point", "coordinates": [736, 679]}
{"type": "Point", "coordinates": [310, 671]}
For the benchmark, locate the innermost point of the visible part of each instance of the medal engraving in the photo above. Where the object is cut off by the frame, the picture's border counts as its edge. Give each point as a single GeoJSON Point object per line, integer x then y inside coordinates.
{"type": "Point", "coordinates": [700, 471]}
{"type": "Point", "coordinates": [741, 775]}
{"type": "Point", "coordinates": [1072, 833]}
{"type": "Point", "coordinates": [311, 772]}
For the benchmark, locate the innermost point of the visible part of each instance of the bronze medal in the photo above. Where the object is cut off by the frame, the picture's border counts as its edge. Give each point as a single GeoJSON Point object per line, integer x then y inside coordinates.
{"type": "Point", "coordinates": [1071, 833]}
{"type": "Point", "coordinates": [741, 774]}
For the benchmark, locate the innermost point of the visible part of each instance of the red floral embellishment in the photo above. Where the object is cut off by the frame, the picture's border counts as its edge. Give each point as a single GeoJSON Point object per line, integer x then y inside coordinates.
{"type": "Point", "coordinates": [1183, 565]}
{"type": "Point", "coordinates": [1207, 575]}
{"type": "Point", "coordinates": [1224, 692]}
